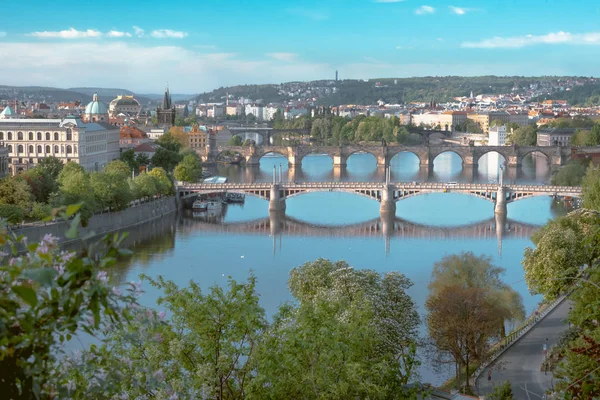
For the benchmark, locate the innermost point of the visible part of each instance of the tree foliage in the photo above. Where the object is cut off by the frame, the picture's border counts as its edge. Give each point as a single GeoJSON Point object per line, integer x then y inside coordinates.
{"type": "Point", "coordinates": [591, 188]}
{"type": "Point", "coordinates": [16, 192]}
{"type": "Point", "coordinates": [523, 136]}
{"type": "Point", "coordinates": [235, 141]}
{"type": "Point", "coordinates": [570, 174]}
{"type": "Point", "coordinates": [163, 183]}
{"type": "Point", "coordinates": [501, 392]}
{"type": "Point", "coordinates": [189, 169]}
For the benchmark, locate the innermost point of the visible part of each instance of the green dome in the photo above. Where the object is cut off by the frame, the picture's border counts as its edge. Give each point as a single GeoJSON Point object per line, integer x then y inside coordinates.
{"type": "Point", "coordinates": [96, 107]}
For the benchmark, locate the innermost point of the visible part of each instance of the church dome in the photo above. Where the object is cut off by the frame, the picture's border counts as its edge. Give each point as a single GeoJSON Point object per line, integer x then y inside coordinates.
{"type": "Point", "coordinates": [96, 107]}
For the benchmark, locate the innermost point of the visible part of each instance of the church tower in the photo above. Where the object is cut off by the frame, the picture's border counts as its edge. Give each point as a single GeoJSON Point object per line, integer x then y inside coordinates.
{"type": "Point", "coordinates": [166, 114]}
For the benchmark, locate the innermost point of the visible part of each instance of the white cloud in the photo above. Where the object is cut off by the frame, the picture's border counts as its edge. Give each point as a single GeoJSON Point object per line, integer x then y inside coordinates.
{"type": "Point", "coordinates": [389, 1]}
{"type": "Point", "coordinates": [2, 34]}
{"type": "Point", "coordinates": [168, 34]}
{"type": "Point", "coordinates": [590, 38]}
{"type": "Point", "coordinates": [118, 34]}
{"type": "Point", "coordinates": [139, 32]}
{"type": "Point", "coordinates": [286, 57]}
{"type": "Point", "coordinates": [205, 46]}
{"type": "Point", "coordinates": [315, 15]}
{"type": "Point", "coordinates": [144, 68]}
{"type": "Point", "coordinates": [70, 33]}
{"type": "Point", "coordinates": [458, 10]}
{"type": "Point", "coordinates": [424, 10]}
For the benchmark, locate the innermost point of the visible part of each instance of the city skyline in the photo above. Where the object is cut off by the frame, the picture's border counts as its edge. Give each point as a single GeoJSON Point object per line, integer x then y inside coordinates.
{"type": "Point", "coordinates": [199, 47]}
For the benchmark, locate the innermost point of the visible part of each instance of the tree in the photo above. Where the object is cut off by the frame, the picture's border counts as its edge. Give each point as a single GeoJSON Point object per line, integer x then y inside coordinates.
{"type": "Point", "coordinates": [166, 159]}
{"type": "Point", "coordinates": [351, 335]}
{"type": "Point", "coordinates": [41, 185]}
{"type": "Point", "coordinates": [74, 187]}
{"type": "Point", "coordinates": [11, 213]}
{"type": "Point", "coordinates": [235, 141]}
{"type": "Point", "coordinates": [569, 175]}
{"type": "Point", "coordinates": [562, 248]}
{"type": "Point", "coordinates": [471, 271]}
{"type": "Point", "coordinates": [142, 159]}
{"type": "Point", "coordinates": [467, 306]}
{"type": "Point", "coordinates": [501, 392]}
{"type": "Point", "coordinates": [169, 142]}
{"type": "Point", "coordinates": [111, 190]}
{"type": "Point", "coordinates": [163, 183]}
{"type": "Point", "coordinates": [524, 136]}
{"type": "Point", "coordinates": [48, 295]}
{"type": "Point", "coordinates": [593, 138]}
{"type": "Point", "coordinates": [189, 169]}
{"type": "Point", "coordinates": [204, 350]}
{"type": "Point", "coordinates": [129, 158]}
{"type": "Point", "coordinates": [144, 185]}
{"type": "Point", "coordinates": [117, 169]}
{"type": "Point", "coordinates": [591, 188]}
{"type": "Point", "coordinates": [50, 166]}
{"type": "Point", "coordinates": [16, 191]}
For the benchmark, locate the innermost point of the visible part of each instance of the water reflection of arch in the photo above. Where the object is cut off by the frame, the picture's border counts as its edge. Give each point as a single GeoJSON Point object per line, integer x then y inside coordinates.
{"type": "Point", "coordinates": [377, 227]}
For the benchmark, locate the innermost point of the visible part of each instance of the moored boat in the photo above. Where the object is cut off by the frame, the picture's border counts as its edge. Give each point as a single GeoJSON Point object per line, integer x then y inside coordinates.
{"type": "Point", "coordinates": [199, 205]}
{"type": "Point", "coordinates": [235, 197]}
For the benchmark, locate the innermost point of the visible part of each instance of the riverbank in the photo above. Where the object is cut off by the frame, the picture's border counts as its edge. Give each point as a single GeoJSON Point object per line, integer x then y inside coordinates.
{"type": "Point", "coordinates": [101, 224]}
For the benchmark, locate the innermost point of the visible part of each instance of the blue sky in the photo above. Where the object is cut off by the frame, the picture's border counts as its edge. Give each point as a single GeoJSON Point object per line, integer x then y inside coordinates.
{"type": "Point", "coordinates": [201, 45]}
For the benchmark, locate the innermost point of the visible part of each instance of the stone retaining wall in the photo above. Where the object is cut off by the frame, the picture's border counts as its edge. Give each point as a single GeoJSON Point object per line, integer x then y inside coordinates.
{"type": "Point", "coordinates": [101, 224]}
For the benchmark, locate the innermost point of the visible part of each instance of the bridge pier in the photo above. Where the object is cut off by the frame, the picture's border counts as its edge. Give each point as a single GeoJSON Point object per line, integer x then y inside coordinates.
{"type": "Point", "coordinates": [276, 200]}
{"type": "Point", "coordinates": [500, 207]}
{"type": "Point", "coordinates": [388, 205]}
{"type": "Point", "coordinates": [339, 160]}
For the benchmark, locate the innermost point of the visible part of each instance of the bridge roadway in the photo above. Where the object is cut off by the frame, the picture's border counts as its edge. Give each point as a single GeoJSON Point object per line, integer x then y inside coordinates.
{"type": "Point", "coordinates": [426, 153]}
{"type": "Point", "coordinates": [401, 190]}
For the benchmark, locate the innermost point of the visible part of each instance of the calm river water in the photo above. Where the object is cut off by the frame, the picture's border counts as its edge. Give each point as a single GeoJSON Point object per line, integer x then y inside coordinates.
{"type": "Point", "coordinates": [341, 226]}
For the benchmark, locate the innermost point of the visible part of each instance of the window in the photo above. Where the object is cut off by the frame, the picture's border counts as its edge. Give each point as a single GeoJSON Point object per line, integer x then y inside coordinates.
{"type": "Point", "coordinates": [47, 135]}
{"type": "Point", "coordinates": [62, 149]}
{"type": "Point", "coordinates": [47, 149]}
{"type": "Point", "coordinates": [30, 135]}
{"type": "Point", "coordinates": [1, 135]}
{"type": "Point", "coordinates": [10, 148]}
{"type": "Point", "coordinates": [19, 135]}
{"type": "Point", "coordinates": [69, 149]}
{"type": "Point", "coordinates": [55, 135]}
{"type": "Point", "coordinates": [20, 149]}
{"type": "Point", "coordinates": [75, 149]}
{"type": "Point", "coordinates": [39, 149]}
{"type": "Point", "coordinates": [39, 136]}
{"type": "Point", "coordinates": [31, 161]}
{"type": "Point", "coordinates": [69, 134]}
{"type": "Point", "coordinates": [55, 149]}
{"type": "Point", "coordinates": [30, 148]}
{"type": "Point", "coordinates": [9, 135]}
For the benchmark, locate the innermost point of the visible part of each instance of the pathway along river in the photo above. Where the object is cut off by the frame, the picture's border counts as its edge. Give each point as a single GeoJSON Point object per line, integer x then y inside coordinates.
{"type": "Point", "coordinates": [190, 248]}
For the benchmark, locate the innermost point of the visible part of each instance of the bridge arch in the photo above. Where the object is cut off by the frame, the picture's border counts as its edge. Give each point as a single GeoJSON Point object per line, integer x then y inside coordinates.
{"type": "Point", "coordinates": [530, 151]}
{"type": "Point", "coordinates": [436, 154]}
{"type": "Point", "coordinates": [491, 151]}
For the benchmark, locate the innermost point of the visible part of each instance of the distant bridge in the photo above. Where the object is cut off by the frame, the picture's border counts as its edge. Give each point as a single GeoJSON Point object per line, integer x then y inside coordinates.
{"type": "Point", "coordinates": [470, 155]}
{"type": "Point", "coordinates": [265, 132]}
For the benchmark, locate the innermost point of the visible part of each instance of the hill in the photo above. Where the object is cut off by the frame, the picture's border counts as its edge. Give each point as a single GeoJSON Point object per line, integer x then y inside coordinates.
{"type": "Point", "coordinates": [390, 90]}
{"type": "Point", "coordinates": [52, 95]}
{"type": "Point", "coordinates": [587, 95]}
{"type": "Point", "coordinates": [106, 95]}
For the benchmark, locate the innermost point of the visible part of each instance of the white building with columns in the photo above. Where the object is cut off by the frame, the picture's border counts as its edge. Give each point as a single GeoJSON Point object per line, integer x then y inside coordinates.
{"type": "Point", "coordinates": [92, 145]}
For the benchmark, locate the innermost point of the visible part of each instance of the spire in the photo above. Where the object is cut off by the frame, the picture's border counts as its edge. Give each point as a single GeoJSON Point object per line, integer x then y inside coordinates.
{"type": "Point", "coordinates": [95, 97]}
{"type": "Point", "coordinates": [166, 105]}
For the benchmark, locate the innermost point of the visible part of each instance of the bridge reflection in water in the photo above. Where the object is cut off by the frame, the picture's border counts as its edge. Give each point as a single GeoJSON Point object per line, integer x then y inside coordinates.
{"type": "Point", "coordinates": [387, 226]}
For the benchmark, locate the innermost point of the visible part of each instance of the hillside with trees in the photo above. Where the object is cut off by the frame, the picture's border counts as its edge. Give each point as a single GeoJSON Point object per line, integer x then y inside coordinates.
{"type": "Point", "coordinates": [587, 95]}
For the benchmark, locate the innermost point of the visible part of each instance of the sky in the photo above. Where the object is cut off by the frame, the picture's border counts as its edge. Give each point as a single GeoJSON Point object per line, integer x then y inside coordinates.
{"type": "Point", "coordinates": [200, 45]}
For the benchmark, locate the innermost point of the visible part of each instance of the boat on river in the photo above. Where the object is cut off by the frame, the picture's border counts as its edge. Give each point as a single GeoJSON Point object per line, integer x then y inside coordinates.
{"type": "Point", "coordinates": [199, 205]}
{"type": "Point", "coordinates": [235, 197]}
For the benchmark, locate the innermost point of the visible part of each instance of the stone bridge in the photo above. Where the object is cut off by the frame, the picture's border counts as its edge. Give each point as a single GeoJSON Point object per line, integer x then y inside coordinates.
{"type": "Point", "coordinates": [266, 132]}
{"type": "Point", "coordinates": [386, 193]}
{"type": "Point", "coordinates": [470, 155]}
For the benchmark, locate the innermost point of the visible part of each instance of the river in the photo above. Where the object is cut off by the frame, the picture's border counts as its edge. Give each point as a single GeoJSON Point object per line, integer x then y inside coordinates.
{"type": "Point", "coordinates": [342, 226]}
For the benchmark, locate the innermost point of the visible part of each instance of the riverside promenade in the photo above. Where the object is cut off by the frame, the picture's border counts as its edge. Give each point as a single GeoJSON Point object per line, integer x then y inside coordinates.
{"type": "Point", "coordinates": [521, 363]}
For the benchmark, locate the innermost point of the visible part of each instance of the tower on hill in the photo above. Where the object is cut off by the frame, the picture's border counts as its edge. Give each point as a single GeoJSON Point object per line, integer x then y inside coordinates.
{"type": "Point", "coordinates": [165, 114]}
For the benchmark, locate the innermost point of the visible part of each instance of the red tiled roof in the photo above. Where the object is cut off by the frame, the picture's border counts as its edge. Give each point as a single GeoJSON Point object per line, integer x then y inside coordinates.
{"type": "Point", "coordinates": [132, 132]}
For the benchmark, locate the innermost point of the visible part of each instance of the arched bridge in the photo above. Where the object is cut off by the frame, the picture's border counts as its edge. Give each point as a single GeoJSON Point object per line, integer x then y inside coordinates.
{"type": "Point", "coordinates": [470, 155]}
{"type": "Point", "coordinates": [265, 132]}
{"type": "Point", "coordinates": [385, 193]}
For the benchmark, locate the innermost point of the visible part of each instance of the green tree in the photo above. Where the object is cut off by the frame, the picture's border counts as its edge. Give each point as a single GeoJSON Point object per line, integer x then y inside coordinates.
{"type": "Point", "coordinates": [235, 141]}
{"type": "Point", "coordinates": [129, 158]}
{"type": "Point", "coordinates": [562, 248]}
{"type": "Point", "coordinates": [524, 136]}
{"type": "Point", "coordinates": [169, 142]}
{"type": "Point", "coordinates": [501, 392]}
{"type": "Point", "coordinates": [204, 350]}
{"type": "Point", "coordinates": [41, 184]}
{"type": "Point", "coordinates": [142, 159]}
{"type": "Point", "coordinates": [144, 185]}
{"type": "Point", "coordinates": [74, 187]}
{"type": "Point", "coordinates": [569, 175]}
{"type": "Point", "coordinates": [50, 166]}
{"type": "Point", "coordinates": [593, 138]}
{"type": "Point", "coordinates": [48, 295]}
{"type": "Point", "coordinates": [591, 188]}
{"type": "Point", "coordinates": [351, 335]}
{"type": "Point", "coordinates": [163, 183]}
{"type": "Point", "coordinates": [189, 169]}
{"type": "Point", "coordinates": [11, 213]}
{"type": "Point", "coordinates": [16, 191]}
{"type": "Point", "coordinates": [166, 159]}
{"type": "Point", "coordinates": [111, 190]}
{"type": "Point", "coordinates": [117, 169]}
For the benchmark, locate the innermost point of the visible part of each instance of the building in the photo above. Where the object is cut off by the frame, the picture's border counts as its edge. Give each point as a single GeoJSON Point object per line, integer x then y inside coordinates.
{"type": "Point", "coordinates": [7, 113]}
{"type": "Point", "coordinates": [92, 145]}
{"type": "Point", "coordinates": [148, 149]}
{"type": "Point", "coordinates": [165, 115]}
{"type": "Point", "coordinates": [294, 112]}
{"type": "Point", "coordinates": [269, 112]}
{"type": "Point", "coordinates": [95, 111]}
{"type": "Point", "coordinates": [519, 118]}
{"type": "Point", "coordinates": [485, 119]}
{"type": "Point", "coordinates": [126, 105]}
{"type": "Point", "coordinates": [497, 136]}
{"type": "Point", "coordinates": [254, 109]}
{"type": "Point", "coordinates": [131, 136]}
{"type": "Point", "coordinates": [555, 136]}
{"type": "Point", "coordinates": [233, 109]}
{"type": "Point", "coordinates": [197, 138]}
{"type": "Point", "coordinates": [215, 110]}
{"type": "Point", "coordinates": [155, 133]}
